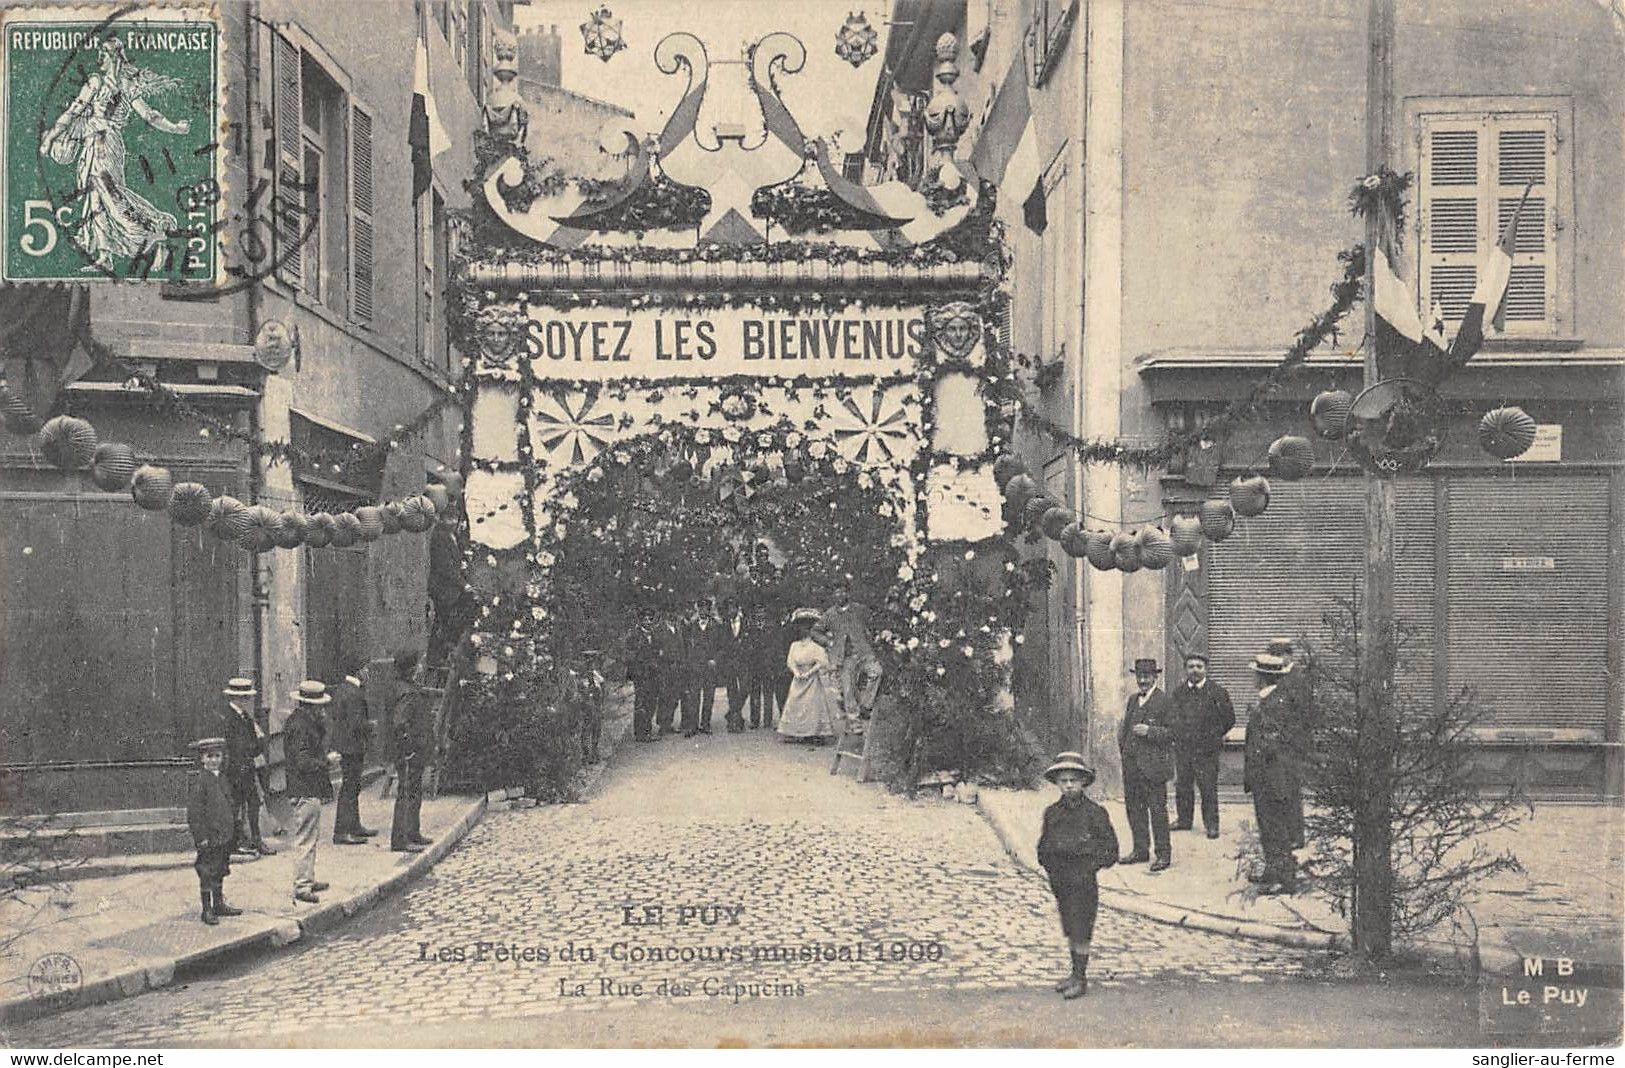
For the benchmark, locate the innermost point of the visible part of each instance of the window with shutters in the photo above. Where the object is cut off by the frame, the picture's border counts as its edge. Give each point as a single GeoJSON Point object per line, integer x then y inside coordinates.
{"type": "Point", "coordinates": [287, 152]}
{"type": "Point", "coordinates": [361, 215]}
{"type": "Point", "coordinates": [1475, 163]}
{"type": "Point", "coordinates": [322, 139]}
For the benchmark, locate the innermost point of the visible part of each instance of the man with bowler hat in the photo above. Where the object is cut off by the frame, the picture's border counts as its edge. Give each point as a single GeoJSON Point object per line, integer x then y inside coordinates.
{"type": "Point", "coordinates": [1202, 716]}
{"type": "Point", "coordinates": [348, 731]}
{"type": "Point", "coordinates": [1146, 743]}
{"type": "Point", "coordinates": [413, 720]}
{"type": "Point", "coordinates": [1276, 761]}
{"type": "Point", "coordinates": [245, 746]}
{"type": "Point", "coordinates": [304, 739]}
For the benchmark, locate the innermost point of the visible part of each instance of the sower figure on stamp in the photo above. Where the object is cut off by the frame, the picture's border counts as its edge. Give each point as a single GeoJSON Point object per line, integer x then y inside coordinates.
{"type": "Point", "coordinates": [1276, 761]}
{"type": "Point", "coordinates": [245, 746]}
{"type": "Point", "coordinates": [1076, 842]}
{"type": "Point", "coordinates": [1203, 715]}
{"type": "Point", "coordinates": [310, 782]}
{"type": "Point", "coordinates": [209, 816]}
{"type": "Point", "coordinates": [348, 732]}
{"type": "Point", "coordinates": [413, 720]}
{"type": "Point", "coordinates": [1146, 743]}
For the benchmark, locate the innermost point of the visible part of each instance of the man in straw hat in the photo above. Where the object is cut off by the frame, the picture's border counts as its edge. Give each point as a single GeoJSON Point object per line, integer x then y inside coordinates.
{"type": "Point", "coordinates": [245, 748]}
{"type": "Point", "coordinates": [1276, 759]}
{"type": "Point", "coordinates": [1300, 695]}
{"type": "Point", "coordinates": [304, 739]}
{"type": "Point", "coordinates": [210, 818]}
{"type": "Point", "coordinates": [1076, 842]}
{"type": "Point", "coordinates": [1146, 742]}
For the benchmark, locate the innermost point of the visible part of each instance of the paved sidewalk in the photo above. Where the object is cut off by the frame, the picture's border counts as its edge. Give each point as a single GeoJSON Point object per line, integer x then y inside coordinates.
{"type": "Point", "coordinates": [1569, 902]}
{"type": "Point", "coordinates": [133, 932]}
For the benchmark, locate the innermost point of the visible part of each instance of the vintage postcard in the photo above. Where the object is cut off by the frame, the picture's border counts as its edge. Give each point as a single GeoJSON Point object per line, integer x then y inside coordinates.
{"type": "Point", "coordinates": [951, 523]}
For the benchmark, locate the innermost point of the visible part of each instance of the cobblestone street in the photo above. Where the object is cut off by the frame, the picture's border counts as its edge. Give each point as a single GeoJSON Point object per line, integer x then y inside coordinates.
{"type": "Point", "coordinates": [763, 867]}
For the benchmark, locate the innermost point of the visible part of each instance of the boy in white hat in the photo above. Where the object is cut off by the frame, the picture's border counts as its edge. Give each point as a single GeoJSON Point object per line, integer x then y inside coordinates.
{"type": "Point", "coordinates": [1076, 842]}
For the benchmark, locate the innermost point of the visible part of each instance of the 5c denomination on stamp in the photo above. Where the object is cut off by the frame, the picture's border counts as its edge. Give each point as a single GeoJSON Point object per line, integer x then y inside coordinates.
{"type": "Point", "coordinates": [111, 161]}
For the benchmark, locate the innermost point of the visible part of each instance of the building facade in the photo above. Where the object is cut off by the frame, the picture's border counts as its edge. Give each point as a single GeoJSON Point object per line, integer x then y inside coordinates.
{"type": "Point", "coordinates": [1174, 182]}
{"type": "Point", "coordinates": [118, 627]}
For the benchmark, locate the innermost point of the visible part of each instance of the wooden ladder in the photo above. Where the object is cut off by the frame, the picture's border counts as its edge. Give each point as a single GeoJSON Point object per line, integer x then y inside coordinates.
{"type": "Point", "coordinates": [853, 742]}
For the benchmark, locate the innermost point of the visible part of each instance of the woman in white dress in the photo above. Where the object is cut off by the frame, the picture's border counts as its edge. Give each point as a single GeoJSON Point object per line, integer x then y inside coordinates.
{"type": "Point", "coordinates": [814, 702]}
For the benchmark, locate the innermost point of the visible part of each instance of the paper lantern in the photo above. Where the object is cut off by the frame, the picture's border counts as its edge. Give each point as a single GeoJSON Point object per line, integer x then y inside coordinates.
{"type": "Point", "coordinates": [417, 514]}
{"type": "Point", "coordinates": [437, 495]}
{"type": "Point", "coordinates": [1126, 551]}
{"type": "Point", "coordinates": [1074, 541]}
{"type": "Point", "coordinates": [371, 518]}
{"type": "Point", "coordinates": [391, 514]}
{"type": "Point", "coordinates": [1032, 513]}
{"type": "Point", "coordinates": [1055, 520]}
{"type": "Point", "coordinates": [1217, 519]}
{"type": "Point", "coordinates": [1250, 496]}
{"type": "Point", "coordinates": [1506, 432]}
{"type": "Point", "coordinates": [256, 528]}
{"type": "Point", "coordinates": [346, 530]}
{"type": "Point", "coordinates": [1007, 467]}
{"type": "Point", "coordinates": [68, 442]}
{"type": "Point", "coordinates": [1156, 549]}
{"type": "Point", "coordinates": [288, 530]}
{"type": "Point", "coordinates": [189, 505]}
{"type": "Point", "coordinates": [1185, 534]}
{"type": "Point", "coordinates": [225, 518]}
{"type": "Point", "coordinates": [1291, 457]}
{"type": "Point", "coordinates": [16, 415]}
{"type": "Point", "coordinates": [151, 487]}
{"type": "Point", "coordinates": [1329, 411]}
{"type": "Point", "coordinates": [1020, 489]}
{"type": "Point", "coordinates": [112, 466]}
{"type": "Point", "coordinates": [1097, 549]}
{"type": "Point", "coordinates": [319, 530]}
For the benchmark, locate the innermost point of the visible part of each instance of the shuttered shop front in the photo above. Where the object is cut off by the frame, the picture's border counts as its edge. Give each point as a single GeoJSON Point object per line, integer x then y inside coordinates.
{"type": "Point", "coordinates": [1528, 588]}
{"type": "Point", "coordinates": [1282, 573]}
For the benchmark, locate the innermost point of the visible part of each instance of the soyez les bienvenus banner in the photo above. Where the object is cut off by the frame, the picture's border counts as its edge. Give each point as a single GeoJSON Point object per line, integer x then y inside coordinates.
{"type": "Point", "coordinates": [607, 344]}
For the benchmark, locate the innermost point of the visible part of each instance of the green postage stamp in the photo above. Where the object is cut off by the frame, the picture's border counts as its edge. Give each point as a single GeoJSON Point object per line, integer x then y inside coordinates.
{"type": "Point", "coordinates": [111, 160]}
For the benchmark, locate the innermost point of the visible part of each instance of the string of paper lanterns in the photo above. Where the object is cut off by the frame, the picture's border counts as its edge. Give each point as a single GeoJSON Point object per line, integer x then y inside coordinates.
{"type": "Point", "coordinates": [1505, 432]}
{"type": "Point", "coordinates": [71, 443]}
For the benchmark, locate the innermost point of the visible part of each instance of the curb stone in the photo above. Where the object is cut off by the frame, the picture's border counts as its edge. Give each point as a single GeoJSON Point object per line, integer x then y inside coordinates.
{"type": "Point", "coordinates": [157, 973]}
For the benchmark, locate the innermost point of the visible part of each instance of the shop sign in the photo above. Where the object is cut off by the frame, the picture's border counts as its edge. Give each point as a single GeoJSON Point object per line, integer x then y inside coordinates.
{"type": "Point", "coordinates": [1546, 448]}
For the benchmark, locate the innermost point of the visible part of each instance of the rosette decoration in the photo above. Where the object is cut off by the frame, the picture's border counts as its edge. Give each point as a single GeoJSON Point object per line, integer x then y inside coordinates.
{"type": "Point", "coordinates": [371, 520]}
{"type": "Point", "coordinates": [1506, 432]}
{"type": "Point", "coordinates": [190, 504]}
{"type": "Point", "coordinates": [390, 513]}
{"type": "Point", "coordinates": [417, 513]}
{"type": "Point", "coordinates": [112, 466]}
{"type": "Point", "coordinates": [288, 530]}
{"type": "Point", "coordinates": [256, 529]}
{"type": "Point", "coordinates": [319, 530]}
{"type": "Point", "coordinates": [1329, 412]}
{"type": "Point", "coordinates": [346, 530]}
{"type": "Point", "coordinates": [68, 442]}
{"type": "Point", "coordinates": [1217, 519]}
{"type": "Point", "coordinates": [151, 486]}
{"type": "Point", "coordinates": [1185, 535]}
{"type": "Point", "coordinates": [1291, 457]}
{"type": "Point", "coordinates": [1155, 548]}
{"type": "Point", "coordinates": [1097, 549]}
{"type": "Point", "coordinates": [225, 518]}
{"type": "Point", "coordinates": [1053, 521]}
{"type": "Point", "coordinates": [1250, 496]}
{"type": "Point", "coordinates": [1126, 551]}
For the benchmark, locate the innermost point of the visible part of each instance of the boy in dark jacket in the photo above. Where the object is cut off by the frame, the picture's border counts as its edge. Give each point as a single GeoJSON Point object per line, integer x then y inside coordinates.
{"type": "Point", "coordinates": [1077, 841]}
{"type": "Point", "coordinates": [213, 820]}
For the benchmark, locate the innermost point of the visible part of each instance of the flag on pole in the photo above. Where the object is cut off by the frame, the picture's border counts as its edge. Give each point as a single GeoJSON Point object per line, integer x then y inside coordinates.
{"type": "Point", "coordinates": [1405, 346]}
{"type": "Point", "coordinates": [425, 134]}
{"type": "Point", "coordinates": [1488, 301]}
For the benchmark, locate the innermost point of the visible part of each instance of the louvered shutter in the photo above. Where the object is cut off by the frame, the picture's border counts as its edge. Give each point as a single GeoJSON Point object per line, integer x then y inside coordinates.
{"type": "Point", "coordinates": [1474, 170]}
{"type": "Point", "coordinates": [1281, 573]}
{"type": "Point", "coordinates": [288, 205]}
{"type": "Point", "coordinates": [1528, 599]}
{"type": "Point", "coordinates": [361, 217]}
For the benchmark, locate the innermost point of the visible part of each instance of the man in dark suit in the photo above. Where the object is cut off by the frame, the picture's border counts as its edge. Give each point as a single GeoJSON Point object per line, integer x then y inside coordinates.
{"type": "Point", "coordinates": [670, 645]}
{"type": "Point", "coordinates": [763, 662]}
{"type": "Point", "coordinates": [1302, 699]}
{"type": "Point", "coordinates": [1277, 759]}
{"type": "Point", "coordinates": [413, 721]}
{"type": "Point", "coordinates": [704, 636]}
{"type": "Point", "coordinates": [245, 746]}
{"type": "Point", "coordinates": [1202, 716]}
{"type": "Point", "coordinates": [348, 731]}
{"type": "Point", "coordinates": [1145, 742]}
{"type": "Point", "coordinates": [732, 645]}
{"type": "Point", "coordinates": [643, 669]}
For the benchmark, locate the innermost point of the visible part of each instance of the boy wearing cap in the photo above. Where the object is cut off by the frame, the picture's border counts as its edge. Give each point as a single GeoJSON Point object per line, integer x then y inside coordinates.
{"type": "Point", "coordinates": [304, 740]}
{"type": "Point", "coordinates": [209, 814]}
{"type": "Point", "coordinates": [1076, 842]}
